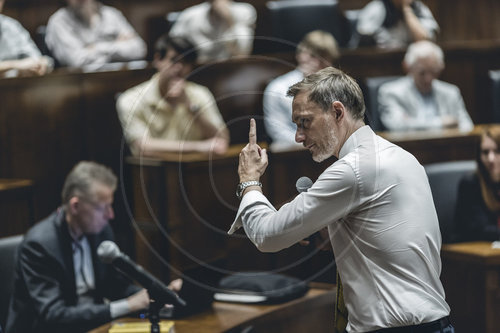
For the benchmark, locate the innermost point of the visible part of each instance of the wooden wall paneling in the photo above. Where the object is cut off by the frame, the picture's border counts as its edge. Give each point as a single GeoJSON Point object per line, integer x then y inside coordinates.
{"type": "Point", "coordinates": [43, 138]}
{"type": "Point", "coordinates": [103, 138]}
{"type": "Point", "coordinates": [149, 213]}
{"type": "Point", "coordinates": [16, 206]}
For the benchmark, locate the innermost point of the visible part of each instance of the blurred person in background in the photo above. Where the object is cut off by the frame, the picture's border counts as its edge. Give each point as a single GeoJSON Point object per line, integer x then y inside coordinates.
{"type": "Point", "coordinates": [169, 113]}
{"type": "Point", "coordinates": [86, 32]}
{"type": "Point", "coordinates": [19, 55]}
{"type": "Point", "coordinates": [478, 204]}
{"type": "Point", "coordinates": [317, 50]}
{"type": "Point", "coordinates": [59, 285]}
{"type": "Point", "coordinates": [219, 29]}
{"type": "Point", "coordinates": [419, 100]}
{"type": "Point", "coordinates": [395, 23]}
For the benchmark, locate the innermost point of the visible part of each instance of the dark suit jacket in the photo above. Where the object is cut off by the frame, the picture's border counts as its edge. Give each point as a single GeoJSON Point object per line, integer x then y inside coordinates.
{"type": "Point", "coordinates": [44, 297]}
{"type": "Point", "coordinates": [474, 220]}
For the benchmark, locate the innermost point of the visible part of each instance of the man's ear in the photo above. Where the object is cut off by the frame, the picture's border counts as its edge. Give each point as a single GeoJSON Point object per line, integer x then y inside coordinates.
{"type": "Point", "coordinates": [338, 110]}
{"type": "Point", "coordinates": [405, 66]}
{"type": "Point", "coordinates": [156, 60]}
{"type": "Point", "coordinates": [74, 205]}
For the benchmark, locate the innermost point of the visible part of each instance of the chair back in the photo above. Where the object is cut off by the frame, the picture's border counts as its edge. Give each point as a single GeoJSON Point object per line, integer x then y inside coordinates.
{"type": "Point", "coordinates": [444, 179]}
{"type": "Point", "coordinates": [8, 249]}
{"type": "Point", "coordinates": [495, 95]}
{"type": "Point", "coordinates": [291, 20]}
{"type": "Point", "coordinates": [371, 88]}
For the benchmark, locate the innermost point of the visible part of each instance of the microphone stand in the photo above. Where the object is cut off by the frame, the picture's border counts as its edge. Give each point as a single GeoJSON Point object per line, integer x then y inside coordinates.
{"type": "Point", "coordinates": [154, 315]}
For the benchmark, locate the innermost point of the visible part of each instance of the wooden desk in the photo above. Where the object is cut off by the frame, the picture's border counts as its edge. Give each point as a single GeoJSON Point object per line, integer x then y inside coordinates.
{"type": "Point", "coordinates": [439, 145]}
{"type": "Point", "coordinates": [471, 279]}
{"type": "Point", "coordinates": [312, 313]}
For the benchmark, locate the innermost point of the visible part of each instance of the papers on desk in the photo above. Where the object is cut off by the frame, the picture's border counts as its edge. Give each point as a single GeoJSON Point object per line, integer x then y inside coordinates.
{"type": "Point", "coordinates": [166, 326]}
{"type": "Point", "coordinates": [495, 245]}
{"type": "Point", "coordinates": [239, 298]}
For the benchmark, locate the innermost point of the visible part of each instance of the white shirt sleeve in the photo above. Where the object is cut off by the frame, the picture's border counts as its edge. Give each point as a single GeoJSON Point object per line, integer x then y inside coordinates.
{"type": "Point", "coordinates": [330, 198]}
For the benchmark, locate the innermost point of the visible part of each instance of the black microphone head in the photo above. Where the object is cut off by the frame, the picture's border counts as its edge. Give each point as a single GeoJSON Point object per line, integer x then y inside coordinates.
{"type": "Point", "coordinates": [303, 184]}
{"type": "Point", "coordinates": [108, 251]}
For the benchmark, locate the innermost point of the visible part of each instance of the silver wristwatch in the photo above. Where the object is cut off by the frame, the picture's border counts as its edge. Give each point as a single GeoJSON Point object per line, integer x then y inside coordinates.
{"type": "Point", "coordinates": [242, 186]}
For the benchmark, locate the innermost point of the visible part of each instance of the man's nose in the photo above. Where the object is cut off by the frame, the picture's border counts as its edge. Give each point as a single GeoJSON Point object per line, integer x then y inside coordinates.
{"type": "Point", "coordinates": [110, 213]}
{"type": "Point", "coordinates": [299, 136]}
{"type": "Point", "coordinates": [491, 156]}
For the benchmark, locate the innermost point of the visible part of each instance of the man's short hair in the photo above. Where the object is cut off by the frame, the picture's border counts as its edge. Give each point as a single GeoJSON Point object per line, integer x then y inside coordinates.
{"type": "Point", "coordinates": [321, 44]}
{"type": "Point", "coordinates": [329, 85]}
{"type": "Point", "coordinates": [423, 49]}
{"type": "Point", "coordinates": [186, 51]}
{"type": "Point", "coordinates": [81, 178]}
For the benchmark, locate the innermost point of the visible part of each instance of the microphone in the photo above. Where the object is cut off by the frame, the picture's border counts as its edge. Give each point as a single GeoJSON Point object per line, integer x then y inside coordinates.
{"type": "Point", "coordinates": [109, 253]}
{"type": "Point", "coordinates": [303, 184]}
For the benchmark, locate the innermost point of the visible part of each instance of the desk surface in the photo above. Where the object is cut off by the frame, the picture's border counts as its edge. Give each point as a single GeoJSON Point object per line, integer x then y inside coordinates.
{"type": "Point", "coordinates": [473, 252]}
{"type": "Point", "coordinates": [14, 184]}
{"type": "Point", "coordinates": [225, 317]}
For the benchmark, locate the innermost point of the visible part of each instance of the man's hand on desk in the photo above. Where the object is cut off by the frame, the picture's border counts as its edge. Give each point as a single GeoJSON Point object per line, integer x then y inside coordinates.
{"type": "Point", "coordinates": [138, 301]}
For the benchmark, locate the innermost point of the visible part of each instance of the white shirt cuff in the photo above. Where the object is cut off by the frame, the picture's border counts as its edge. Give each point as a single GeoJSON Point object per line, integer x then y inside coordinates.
{"type": "Point", "coordinates": [250, 198]}
{"type": "Point", "coordinates": [119, 308]}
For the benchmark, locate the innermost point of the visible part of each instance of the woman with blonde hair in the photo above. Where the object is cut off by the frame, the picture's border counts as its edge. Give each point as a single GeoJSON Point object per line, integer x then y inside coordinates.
{"type": "Point", "coordinates": [478, 204]}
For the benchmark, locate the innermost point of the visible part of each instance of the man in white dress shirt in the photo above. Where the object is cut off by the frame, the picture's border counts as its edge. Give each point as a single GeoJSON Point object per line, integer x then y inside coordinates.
{"type": "Point", "coordinates": [88, 33]}
{"type": "Point", "coordinates": [19, 56]}
{"type": "Point", "coordinates": [419, 100]}
{"type": "Point", "coordinates": [219, 29]}
{"type": "Point", "coordinates": [375, 201]}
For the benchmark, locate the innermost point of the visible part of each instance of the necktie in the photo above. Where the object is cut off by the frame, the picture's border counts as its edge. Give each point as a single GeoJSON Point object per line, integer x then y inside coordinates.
{"type": "Point", "coordinates": [79, 247]}
{"type": "Point", "coordinates": [340, 309]}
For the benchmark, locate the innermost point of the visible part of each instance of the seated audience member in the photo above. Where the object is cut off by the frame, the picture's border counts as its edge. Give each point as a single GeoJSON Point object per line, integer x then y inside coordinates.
{"type": "Point", "coordinates": [419, 100]}
{"type": "Point", "coordinates": [478, 203]}
{"type": "Point", "coordinates": [395, 23]}
{"type": "Point", "coordinates": [60, 285]}
{"type": "Point", "coordinates": [19, 55]}
{"type": "Point", "coordinates": [317, 50]}
{"type": "Point", "coordinates": [88, 33]}
{"type": "Point", "coordinates": [219, 29]}
{"type": "Point", "coordinates": [169, 113]}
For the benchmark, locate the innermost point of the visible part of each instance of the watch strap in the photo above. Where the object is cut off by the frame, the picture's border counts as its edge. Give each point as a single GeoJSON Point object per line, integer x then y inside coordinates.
{"type": "Point", "coordinates": [244, 185]}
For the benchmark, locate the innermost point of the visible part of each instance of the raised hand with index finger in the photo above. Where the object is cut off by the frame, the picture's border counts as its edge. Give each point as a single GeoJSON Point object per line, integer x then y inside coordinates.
{"type": "Point", "coordinates": [253, 159]}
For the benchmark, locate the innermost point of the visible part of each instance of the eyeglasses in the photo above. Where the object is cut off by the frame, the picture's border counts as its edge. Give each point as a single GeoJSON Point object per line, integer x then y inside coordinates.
{"type": "Point", "coordinates": [98, 206]}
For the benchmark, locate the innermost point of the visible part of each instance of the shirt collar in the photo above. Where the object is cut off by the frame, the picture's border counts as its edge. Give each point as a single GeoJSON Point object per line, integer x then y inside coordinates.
{"type": "Point", "coordinates": [352, 142]}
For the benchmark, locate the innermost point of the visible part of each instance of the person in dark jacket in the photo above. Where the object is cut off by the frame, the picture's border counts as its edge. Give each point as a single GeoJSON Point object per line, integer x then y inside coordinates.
{"type": "Point", "coordinates": [478, 203]}
{"type": "Point", "coordinates": [60, 285]}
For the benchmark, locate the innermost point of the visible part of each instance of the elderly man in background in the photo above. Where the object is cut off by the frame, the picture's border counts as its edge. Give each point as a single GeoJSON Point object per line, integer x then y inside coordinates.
{"type": "Point", "coordinates": [19, 55]}
{"type": "Point", "coordinates": [317, 50]}
{"type": "Point", "coordinates": [419, 100]}
{"type": "Point", "coordinates": [88, 33]}
{"type": "Point", "coordinates": [219, 29]}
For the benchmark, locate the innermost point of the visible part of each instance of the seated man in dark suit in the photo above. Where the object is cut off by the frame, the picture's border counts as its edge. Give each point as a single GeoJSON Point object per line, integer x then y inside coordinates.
{"type": "Point", "coordinates": [60, 285]}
